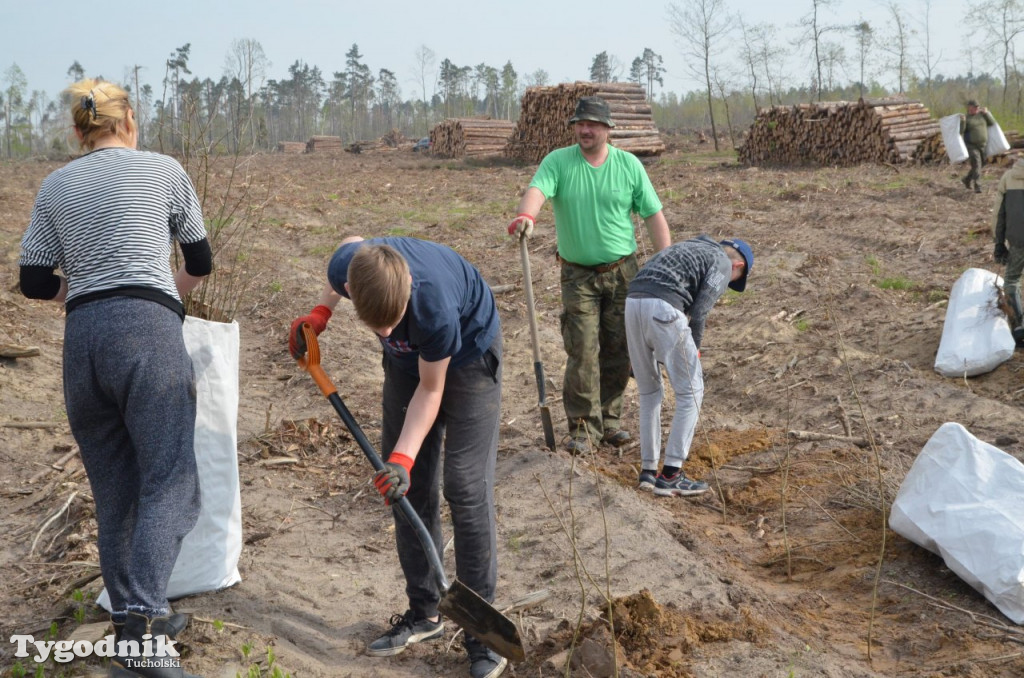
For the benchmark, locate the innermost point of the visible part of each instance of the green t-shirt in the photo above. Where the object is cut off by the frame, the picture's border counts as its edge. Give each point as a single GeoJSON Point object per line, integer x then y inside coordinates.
{"type": "Point", "coordinates": [593, 204]}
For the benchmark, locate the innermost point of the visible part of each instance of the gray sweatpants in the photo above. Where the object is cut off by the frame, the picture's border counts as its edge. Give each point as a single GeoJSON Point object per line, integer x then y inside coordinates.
{"type": "Point", "coordinates": [657, 332]}
{"type": "Point", "coordinates": [467, 430]}
{"type": "Point", "coordinates": [131, 399]}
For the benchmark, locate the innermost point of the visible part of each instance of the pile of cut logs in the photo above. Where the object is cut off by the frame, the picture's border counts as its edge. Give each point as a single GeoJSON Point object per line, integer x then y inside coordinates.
{"type": "Point", "coordinates": [323, 143]}
{"type": "Point", "coordinates": [544, 119]}
{"type": "Point", "coordinates": [470, 137]}
{"type": "Point", "coordinates": [291, 147]}
{"type": "Point", "coordinates": [931, 151]}
{"type": "Point", "coordinates": [838, 133]}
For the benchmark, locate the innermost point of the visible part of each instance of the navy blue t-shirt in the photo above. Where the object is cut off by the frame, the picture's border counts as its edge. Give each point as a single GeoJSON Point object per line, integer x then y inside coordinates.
{"type": "Point", "coordinates": [451, 311]}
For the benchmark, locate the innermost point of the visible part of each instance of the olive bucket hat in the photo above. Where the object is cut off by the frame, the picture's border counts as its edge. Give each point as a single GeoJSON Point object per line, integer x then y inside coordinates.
{"type": "Point", "coordinates": [592, 108]}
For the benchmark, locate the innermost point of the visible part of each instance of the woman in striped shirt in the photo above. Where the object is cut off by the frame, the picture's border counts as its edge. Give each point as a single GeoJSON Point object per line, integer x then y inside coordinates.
{"type": "Point", "coordinates": [107, 221]}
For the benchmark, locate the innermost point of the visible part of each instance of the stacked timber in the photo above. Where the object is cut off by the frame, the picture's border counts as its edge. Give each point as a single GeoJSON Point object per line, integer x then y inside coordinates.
{"type": "Point", "coordinates": [838, 133]}
{"type": "Point", "coordinates": [544, 119]}
{"type": "Point", "coordinates": [323, 143]}
{"type": "Point", "coordinates": [291, 147]}
{"type": "Point", "coordinates": [470, 137]}
{"type": "Point", "coordinates": [931, 151]}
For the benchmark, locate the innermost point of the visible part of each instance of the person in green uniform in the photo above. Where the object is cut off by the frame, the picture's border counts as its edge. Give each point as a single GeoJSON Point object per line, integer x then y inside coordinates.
{"type": "Point", "coordinates": [974, 129]}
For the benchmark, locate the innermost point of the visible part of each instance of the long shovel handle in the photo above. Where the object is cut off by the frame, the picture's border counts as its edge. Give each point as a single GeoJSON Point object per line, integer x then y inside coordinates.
{"type": "Point", "coordinates": [311, 363]}
{"type": "Point", "coordinates": [524, 253]}
{"type": "Point", "coordinates": [538, 366]}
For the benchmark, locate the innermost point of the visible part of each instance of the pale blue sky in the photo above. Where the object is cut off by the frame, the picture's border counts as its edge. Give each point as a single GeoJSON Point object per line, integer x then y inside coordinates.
{"type": "Point", "coordinates": [44, 37]}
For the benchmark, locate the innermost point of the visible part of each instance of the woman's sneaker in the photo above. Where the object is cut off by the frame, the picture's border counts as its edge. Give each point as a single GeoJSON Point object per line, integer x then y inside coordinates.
{"type": "Point", "coordinates": [647, 481]}
{"type": "Point", "coordinates": [405, 630]}
{"type": "Point", "coordinates": [678, 486]}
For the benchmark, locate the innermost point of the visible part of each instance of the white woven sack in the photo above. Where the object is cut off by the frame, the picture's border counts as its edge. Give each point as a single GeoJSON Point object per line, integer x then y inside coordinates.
{"type": "Point", "coordinates": [956, 149]}
{"type": "Point", "coordinates": [208, 560]}
{"type": "Point", "coordinates": [996, 142]}
{"type": "Point", "coordinates": [975, 336]}
{"type": "Point", "coordinates": [964, 500]}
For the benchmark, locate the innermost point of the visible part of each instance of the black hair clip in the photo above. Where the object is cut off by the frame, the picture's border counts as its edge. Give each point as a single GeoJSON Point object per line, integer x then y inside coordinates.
{"type": "Point", "coordinates": [89, 104]}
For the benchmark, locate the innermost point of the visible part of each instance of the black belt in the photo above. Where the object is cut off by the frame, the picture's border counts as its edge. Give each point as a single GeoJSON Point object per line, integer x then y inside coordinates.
{"type": "Point", "coordinates": [600, 268]}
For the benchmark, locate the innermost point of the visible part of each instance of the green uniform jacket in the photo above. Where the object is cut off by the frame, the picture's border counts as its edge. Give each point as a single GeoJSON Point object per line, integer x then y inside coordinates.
{"type": "Point", "coordinates": [974, 128]}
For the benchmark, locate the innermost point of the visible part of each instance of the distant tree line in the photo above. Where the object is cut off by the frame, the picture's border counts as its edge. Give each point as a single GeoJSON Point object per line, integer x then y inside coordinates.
{"type": "Point", "coordinates": [740, 68]}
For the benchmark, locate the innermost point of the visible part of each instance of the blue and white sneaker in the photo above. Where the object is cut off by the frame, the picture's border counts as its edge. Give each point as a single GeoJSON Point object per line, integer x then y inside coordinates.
{"type": "Point", "coordinates": [678, 486]}
{"type": "Point", "coordinates": [647, 480]}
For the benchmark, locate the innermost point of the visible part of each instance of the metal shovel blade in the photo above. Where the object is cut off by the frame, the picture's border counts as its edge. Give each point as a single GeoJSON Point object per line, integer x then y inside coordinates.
{"type": "Point", "coordinates": [466, 608]}
{"type": "Point", "coordinates": [545, 411]}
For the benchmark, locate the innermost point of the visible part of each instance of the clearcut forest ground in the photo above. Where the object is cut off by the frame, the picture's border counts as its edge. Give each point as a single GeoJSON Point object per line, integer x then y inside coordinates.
{"type": "Point", "coordinates": [781, 570]}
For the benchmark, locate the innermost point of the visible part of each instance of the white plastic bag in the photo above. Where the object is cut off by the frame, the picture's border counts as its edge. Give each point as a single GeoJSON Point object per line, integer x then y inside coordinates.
{"type": "Point", "coordinates": [208, 560]}
{"type": "Point", "coordinates": [975, 336]}
{"type": "Point", "coordinates": [956, 149]}
{"type": "Point", "coordinates": [964, 500]}
{"type": "Point", "coordinates": [996, 142]}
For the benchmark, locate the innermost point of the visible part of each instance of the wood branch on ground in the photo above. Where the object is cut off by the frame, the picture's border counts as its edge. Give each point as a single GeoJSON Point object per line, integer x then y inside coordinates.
{"type": "Point", "coordinates": [815, 436]}
{"type": "Point", "coordinates": [15, 351]}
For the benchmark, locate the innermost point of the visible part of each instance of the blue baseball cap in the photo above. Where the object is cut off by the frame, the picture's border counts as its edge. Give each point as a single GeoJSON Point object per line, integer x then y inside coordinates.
{"type": "Point", "coordinates": [743, 248]}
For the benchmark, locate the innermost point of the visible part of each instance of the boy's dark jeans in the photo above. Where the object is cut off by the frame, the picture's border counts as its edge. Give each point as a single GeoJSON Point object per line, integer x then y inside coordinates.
{"type": "Point", "coordinates": [467, 429]}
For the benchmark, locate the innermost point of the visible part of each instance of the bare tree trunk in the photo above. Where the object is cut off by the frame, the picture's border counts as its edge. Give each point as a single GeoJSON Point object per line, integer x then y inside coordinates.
{"type": "Point", "coordinates": [711, 111]}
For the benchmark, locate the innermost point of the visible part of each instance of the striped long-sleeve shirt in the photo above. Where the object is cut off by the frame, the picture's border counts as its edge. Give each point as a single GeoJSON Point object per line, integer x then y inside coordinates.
{"type": "Point", "coordinates": [107, 220]}
{"type": "Point", "coordinates": [690, 275]}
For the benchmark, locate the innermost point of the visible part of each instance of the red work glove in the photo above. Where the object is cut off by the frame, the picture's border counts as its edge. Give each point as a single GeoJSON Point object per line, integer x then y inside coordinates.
{"type": "Point", "coordinates": [522, 224]}
{"type": "Point", "coordinates": [393, 482]}
{"type": "Point", "coordinates": [317, 319]}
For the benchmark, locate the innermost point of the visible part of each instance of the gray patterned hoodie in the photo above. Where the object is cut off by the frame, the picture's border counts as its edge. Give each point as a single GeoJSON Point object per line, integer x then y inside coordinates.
{"type": "Point", "coordinates": [690, 275]}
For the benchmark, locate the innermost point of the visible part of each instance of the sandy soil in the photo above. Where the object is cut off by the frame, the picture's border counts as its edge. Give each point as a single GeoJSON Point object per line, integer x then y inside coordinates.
{"type": "Point", "coordinates": [785, 569]}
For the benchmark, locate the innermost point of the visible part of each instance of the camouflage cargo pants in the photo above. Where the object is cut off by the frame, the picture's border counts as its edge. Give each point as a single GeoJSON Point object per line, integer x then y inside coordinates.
{"type": "Point", "coordinates": [594, 336]}
{"type": "Point", "coordinates": [976, 155]}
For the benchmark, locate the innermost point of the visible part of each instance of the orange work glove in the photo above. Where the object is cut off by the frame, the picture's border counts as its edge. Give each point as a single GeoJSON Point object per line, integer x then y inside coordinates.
{"type": "Point", "coordinates": [317, 319]}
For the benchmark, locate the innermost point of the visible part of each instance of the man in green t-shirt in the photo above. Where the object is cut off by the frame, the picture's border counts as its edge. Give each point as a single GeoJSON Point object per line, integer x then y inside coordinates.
{"type": "Point", "coordinates": [974, 129]}
{"type": "Point", "coordinates": [594, 188]}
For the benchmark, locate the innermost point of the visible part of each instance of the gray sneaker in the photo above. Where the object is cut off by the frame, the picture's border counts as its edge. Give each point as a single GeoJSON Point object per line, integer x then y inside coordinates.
{"type": "Point", "coordinates": [616, 437]}
{"type": "Point", "coordinates": [647, 481]}
{"type": "Point", "coordinates": [485, 662]}
{"type": "Point", "coordinates": [678, 486]}
{"type": "Point", "coordinates": [405, 630]}
{"type": "Point", "coordinates": [577, 446]}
